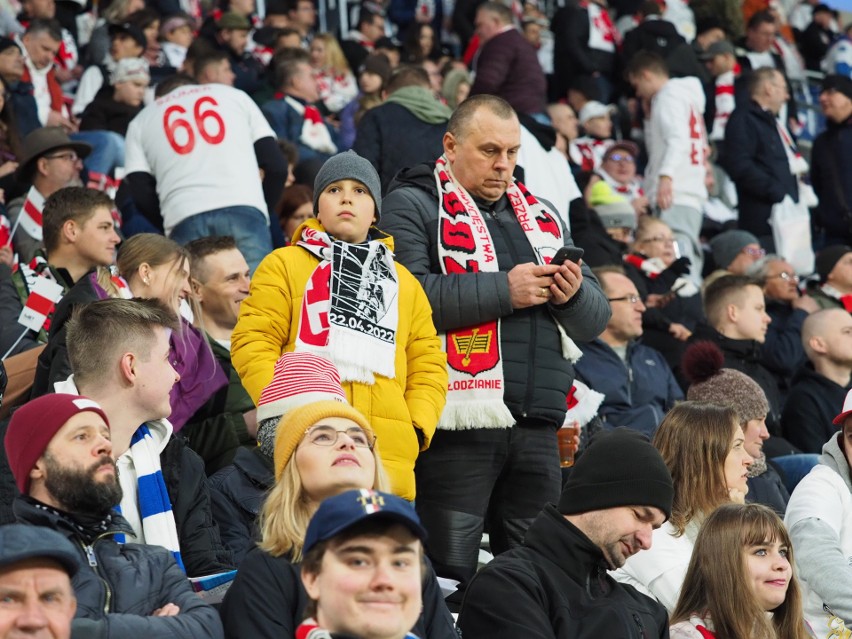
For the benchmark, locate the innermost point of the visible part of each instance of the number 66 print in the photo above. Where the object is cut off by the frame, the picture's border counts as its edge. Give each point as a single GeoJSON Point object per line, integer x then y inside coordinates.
{"type": "Point", "coordinates": [203, 118]}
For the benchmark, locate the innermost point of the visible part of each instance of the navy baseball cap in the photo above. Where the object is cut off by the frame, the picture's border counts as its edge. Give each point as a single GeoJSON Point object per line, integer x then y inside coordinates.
{"type": "Point", "coordinates": [19, 543]}
{"type": "Point", "coordinates": [342, 511]}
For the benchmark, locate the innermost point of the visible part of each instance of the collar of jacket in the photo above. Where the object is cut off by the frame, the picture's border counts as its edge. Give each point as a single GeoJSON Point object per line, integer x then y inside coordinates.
{"type": "Point", "coordinates": [26, 511]}
{"type": "Point", "coordinates": [256, 467]}
{"type": "Point", "coordinates": [747, 349]}
{"type": "Point", "coordinates": [560, 541]}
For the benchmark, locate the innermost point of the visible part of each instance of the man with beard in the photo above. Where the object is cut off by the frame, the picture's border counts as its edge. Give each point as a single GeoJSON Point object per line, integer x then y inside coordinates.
{"type": "Point", "coordinates": [67, 478]}
{"type": "Point", "coordinates": [556, 584]}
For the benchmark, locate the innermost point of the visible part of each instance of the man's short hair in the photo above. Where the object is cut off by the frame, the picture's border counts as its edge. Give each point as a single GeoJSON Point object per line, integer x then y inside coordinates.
{"type": "Point", "coordinates": [503, 13]}
{"type": "Point", "coordinates": [50, 27]}
{"type": "Point", "coordinates": [173, 82]}
{"type": "Point", "coordinates": [203, 248]}
{"type": "Point", "coordinates": [759, 271]}
{"type": "Point", "coordinates": [98, 333]}
{"type": "Point", "coordinates": [71, 203]}
{"type": "Point", "coordinates": [408, 75]}
{"type": "Point", "coordinates": [723, 291]}
{"type": "Point", "coordinates": [759, 77]}
{"type": "Point", "coordinates": [646, 61]}
{"type": "Point", "coordinates": [366, 17]}
{"type": "Point", "coordinates": [285, 65]}
{"type": "Point", "coordinates": [612, 269]}
{"type": "Point", "coordinates": [208, 58]}
{"type": "Point", "coordinates": [759, 18]}
{"type": "Point", "coordinates": [462, 117]}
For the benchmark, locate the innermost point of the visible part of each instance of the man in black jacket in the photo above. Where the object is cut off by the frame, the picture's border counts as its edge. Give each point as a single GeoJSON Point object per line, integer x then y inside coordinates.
{"type": "Point", "coordinates": [68, 478]}
{"type": "Point", "coordinates": [119, 354]}
{"type": "Point", "coordinates": [481, 247]}
{"type": "Point", "coordinates": [556, 584]}
{"type": "Point", "coordinates": [756, 156]}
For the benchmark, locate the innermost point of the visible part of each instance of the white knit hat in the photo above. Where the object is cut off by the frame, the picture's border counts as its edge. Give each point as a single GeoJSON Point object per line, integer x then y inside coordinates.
{"type": "Point", "coordinates": [299, 379]}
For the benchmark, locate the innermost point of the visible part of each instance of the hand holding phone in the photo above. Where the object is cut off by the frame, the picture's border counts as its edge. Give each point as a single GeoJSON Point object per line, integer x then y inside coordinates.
{"type": "Point", "coordinates": [567, 254]}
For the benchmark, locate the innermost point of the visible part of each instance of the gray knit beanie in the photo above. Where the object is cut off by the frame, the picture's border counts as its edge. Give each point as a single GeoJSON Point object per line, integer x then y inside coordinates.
{"type": "Point", "coordinates": [349, 166]}
{"type": "Point", "coordinates": [727, 245]}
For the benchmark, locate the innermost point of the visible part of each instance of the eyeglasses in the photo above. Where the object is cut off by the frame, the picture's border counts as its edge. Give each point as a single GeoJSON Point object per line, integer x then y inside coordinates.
{"type": "Point", "coordinates": [328, 436]}
{"type": "Point", "coordinates": [754, 252]}
{"type": "Point", "coordinates": [71, 156]}
{"type": "Point", "coordinates": [633, 299]}
{"type": "Point", "coordinates": [622, 157]}
{"type": "Point", "coordinates": [787, 277]}
{"type": "Point", "coordinates": [660, 238]}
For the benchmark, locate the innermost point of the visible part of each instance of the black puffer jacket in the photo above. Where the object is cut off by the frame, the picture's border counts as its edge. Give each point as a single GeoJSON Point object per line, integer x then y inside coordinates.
{"type": "Point", "coordinates": [267, 601]}
{"type": "Point", "coordinates": [556, 586]}
{"type": "Point", "coordinates": [120, 585]}
{"type": "Point", "coordinates": [537, 377]}
{"type": "Point", "coordinates": [813, 403]}
{"type": "Point", "coordinates": [237, 492]}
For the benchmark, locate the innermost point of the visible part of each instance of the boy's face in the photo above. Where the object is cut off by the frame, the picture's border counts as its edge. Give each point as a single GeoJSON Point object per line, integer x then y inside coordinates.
{"type": "Point", "coordinates": [599, 127]}
{"type": "Point", "coordinates": [131, 92]}
{"type": "Point", "coordinates": [346, 210]}
{"type": "Point", "coordinates": [236, 39]}
{"type": "Point", "coordinates": [181, 36]}
{"type": "Point", "coordinates": [370, 586]}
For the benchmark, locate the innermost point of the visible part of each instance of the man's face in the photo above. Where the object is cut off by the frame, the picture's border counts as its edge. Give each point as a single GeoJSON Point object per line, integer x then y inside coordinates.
{"type": "Point", "coordinates": [600, 127]}
{"type": "Point", "coordinates": [235, 39]}
{"type": "Point", "coordinates": [837, 336]}
{"type": "Point", "coordinates": [564, 120]}
{"type": "Point", "coordinates": [625, 323]}
{"type": "Point", "coordinates": [645, 84]}
{"type": "Point", "coordinates": [41, 49]}
{"type": "Point", "coordinates": [760, 38]}
{"type": "Point", "coordinates": [218, 73]}
{"type": "Point", "coordinates": [532, 33]}
{"type": "Point", "coordinates": [781, 281]}
{"type": "Point", "coordinates": [623, 531]}
{"type": "Point", "coordinates": [751, 321]}
{"type": "Point", "coordinates": [12, 64]}
{"type": "Point", "coordinates": [747, 256]}
{"type": "Point", "coordinates": [375, 29]}
{"type": "Point", "coordinates": [131, 92]}
{"type": "Point", "coordinates": [124, 46]}
{"type": "Point", "coordinates": [243, 7]}
{"type": "Point", "coordinates": [776, 92]}
{"type": "Point", "coordinates": [95, 239]}
{"type": "Point", "coordinates": [78, 469]}
{"type": "Point", "coordinates": [36, 601]}
{"type": "Point", "coordinates": [226, 285]}
{"type": "Point", "coordinates": [846, 440]}
{"type": "Point", "coordinates": [45, 9]}
{"type": "Point", "coordinates": [484, 158]}
{"type": "Point", "coordinates": [305, 15]}
{"type": "Point", "coordinates": [155, 377]}
{"type": "Point", "coordinates": [836, 106]}
{"type": "Point", "coordinates": [720, 64]}
{"type": "Point", "coordinates": [60, 168]}
{"type": "Point", "coordinates": [303, 84]}
{"type": "Point", "coordinates": [621, 165]}
{"type": "Point", "coordinates": [369, 586]}
{"type": "Point", "coordinates": [840, 276]}
{"type": "Point", "coordinates": [487, 25]}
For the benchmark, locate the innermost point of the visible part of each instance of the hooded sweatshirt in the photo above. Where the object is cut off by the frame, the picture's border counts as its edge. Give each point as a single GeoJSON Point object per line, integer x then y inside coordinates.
{"type": "Point", "coordinates": [819, 518]}
{"type": "Point", "coordinates": [677, 142]}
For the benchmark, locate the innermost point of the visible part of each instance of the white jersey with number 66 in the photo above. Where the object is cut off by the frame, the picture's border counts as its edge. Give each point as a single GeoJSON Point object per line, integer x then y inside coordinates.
{"type": "Point", "coordinates": [198, 143]}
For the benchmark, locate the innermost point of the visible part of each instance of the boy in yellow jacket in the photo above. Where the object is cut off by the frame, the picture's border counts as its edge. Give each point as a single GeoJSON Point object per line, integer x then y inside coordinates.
{"type": "Point", "coordinates": [337, 293]}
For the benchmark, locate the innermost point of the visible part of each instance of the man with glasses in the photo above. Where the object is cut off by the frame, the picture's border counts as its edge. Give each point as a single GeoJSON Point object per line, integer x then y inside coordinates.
{"type": "Point", "coordinates": [638, 384]}
{"type": "Point", "coordinates": [735, 251]}
{"type": "Point", "coordinates": [782, 352]}
{"type": "Point", "coordinates": [618, 169]}
{"type": "Point", "coordinates": [50, 161]}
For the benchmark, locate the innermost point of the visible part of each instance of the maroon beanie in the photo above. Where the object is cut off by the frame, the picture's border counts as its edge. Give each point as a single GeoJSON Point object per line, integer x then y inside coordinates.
{"type": "Point", "coordinates": [34, 424]}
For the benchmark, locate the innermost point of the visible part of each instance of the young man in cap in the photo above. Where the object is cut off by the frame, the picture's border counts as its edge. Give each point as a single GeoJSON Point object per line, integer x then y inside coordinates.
{"type": "Point", "coordinates": [36, 568]}
{"type": "Point", "coordinates": [363, 567]}
{"type": "Point", "coordinates": [831, 170]}
{"type": "Point", "coordinates": [50, 161]}
{"type": "Point", "coordinates": [556, 583]}
{"type": "Point", "coordinates": [819, 518]}
{"type": "Point", "coordinates": [69, 482]}
{"type": "Point", "coordinates": [78, 235]}
{"type": "Point", "coordinates": [834, 267]}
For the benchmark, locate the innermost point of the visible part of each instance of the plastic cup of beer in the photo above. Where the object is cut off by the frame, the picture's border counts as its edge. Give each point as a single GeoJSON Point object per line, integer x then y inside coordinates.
{"type": "Point", "coordinates": [565, 436]}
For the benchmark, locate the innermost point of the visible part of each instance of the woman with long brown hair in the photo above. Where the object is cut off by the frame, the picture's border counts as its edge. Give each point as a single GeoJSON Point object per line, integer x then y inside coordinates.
{"type": "Point", "coordinates": [741, 571]}
{"type": "Point", "coordinates": [702, 445]}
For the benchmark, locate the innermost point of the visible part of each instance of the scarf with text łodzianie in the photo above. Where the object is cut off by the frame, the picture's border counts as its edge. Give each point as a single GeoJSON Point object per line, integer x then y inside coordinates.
{"type": "Point", "coordinates": [474, 360]}
{"type": "Point", "coordinates": [350, 310]}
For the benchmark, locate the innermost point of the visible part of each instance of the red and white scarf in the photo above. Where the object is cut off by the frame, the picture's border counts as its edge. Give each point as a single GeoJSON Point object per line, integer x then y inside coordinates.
{"type": "Point", "coordinates": [651, 267]}
{"type": "Point", "coordinates": [350, 309]}
{"type": "Point", "coordinates": [844, 299]}
{"type": "Point", "coordinates": [602, 33]}
{"type": "Point", "coordinates": [474, 358]}
{"type": "Point", "coordinates": [315, 134]}
{"type": "Point", "coordinates": [631, 191]}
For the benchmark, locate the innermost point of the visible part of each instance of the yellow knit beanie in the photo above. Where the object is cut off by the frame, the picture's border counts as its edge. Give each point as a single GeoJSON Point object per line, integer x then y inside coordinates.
{"type": "Point", "coordinates": [295, 422]}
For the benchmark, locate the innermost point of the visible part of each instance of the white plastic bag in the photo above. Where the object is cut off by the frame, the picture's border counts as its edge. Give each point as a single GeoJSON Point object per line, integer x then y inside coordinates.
{"type": "Point", "coordinates": [791, 230]}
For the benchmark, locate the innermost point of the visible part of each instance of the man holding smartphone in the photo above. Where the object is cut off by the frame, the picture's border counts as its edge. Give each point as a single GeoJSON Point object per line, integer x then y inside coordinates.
{"type": "Point", "coordinates": [485, 250]}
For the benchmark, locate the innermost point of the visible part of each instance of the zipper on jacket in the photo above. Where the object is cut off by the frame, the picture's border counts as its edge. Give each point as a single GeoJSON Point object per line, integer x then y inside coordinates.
{"type": "Point", "coordinates": [89, 549]}
{"type": "Point", "coordinates": [639, 625]}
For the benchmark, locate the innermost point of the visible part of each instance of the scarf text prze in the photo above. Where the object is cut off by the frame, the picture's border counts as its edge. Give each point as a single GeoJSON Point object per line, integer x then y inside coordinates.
{"type": "Point", "coordinates": [474, 361]}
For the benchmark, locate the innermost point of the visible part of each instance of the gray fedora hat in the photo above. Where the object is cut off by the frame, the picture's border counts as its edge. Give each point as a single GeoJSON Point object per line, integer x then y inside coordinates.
{"type": "Point", "coordinates": [44, 140]}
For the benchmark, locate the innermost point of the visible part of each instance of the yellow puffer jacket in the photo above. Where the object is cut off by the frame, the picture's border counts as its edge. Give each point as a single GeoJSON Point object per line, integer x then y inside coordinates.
{"type": "Point", "coordinates": [268, 326]}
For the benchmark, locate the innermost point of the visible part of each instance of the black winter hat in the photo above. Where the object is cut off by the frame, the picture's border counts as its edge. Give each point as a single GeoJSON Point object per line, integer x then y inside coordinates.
{"type": "Point", "coordinates": [620, 468]}
{"type": "Point", "coordinates": [828, 258]}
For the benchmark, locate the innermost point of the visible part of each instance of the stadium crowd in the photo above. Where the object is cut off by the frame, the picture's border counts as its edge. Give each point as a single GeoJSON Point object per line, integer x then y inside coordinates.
{"type": "Point", "coordinates": [412, 319]}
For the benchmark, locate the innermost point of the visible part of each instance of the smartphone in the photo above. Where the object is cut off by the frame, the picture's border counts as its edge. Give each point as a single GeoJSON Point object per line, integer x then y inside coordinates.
{"type": "Point", "coordinates": [567, 253]}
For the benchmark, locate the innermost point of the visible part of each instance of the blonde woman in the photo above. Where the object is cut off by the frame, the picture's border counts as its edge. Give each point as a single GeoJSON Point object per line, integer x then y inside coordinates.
{"type": "Point", "coordinates": [702, 445]}
{"type": "Point", "coordinates": [321, 449]}
{"type": "Point", "coordinates": [335, 80]}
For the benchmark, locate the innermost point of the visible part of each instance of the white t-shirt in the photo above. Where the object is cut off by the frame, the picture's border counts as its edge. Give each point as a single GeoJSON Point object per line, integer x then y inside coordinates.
{"type": "Point", "coordinates": [198, 143]}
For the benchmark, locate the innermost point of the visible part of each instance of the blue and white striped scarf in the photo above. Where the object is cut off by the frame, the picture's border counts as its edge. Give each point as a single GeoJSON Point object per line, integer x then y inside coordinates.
{"type": "Point", "coordinates": [155, 508]}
